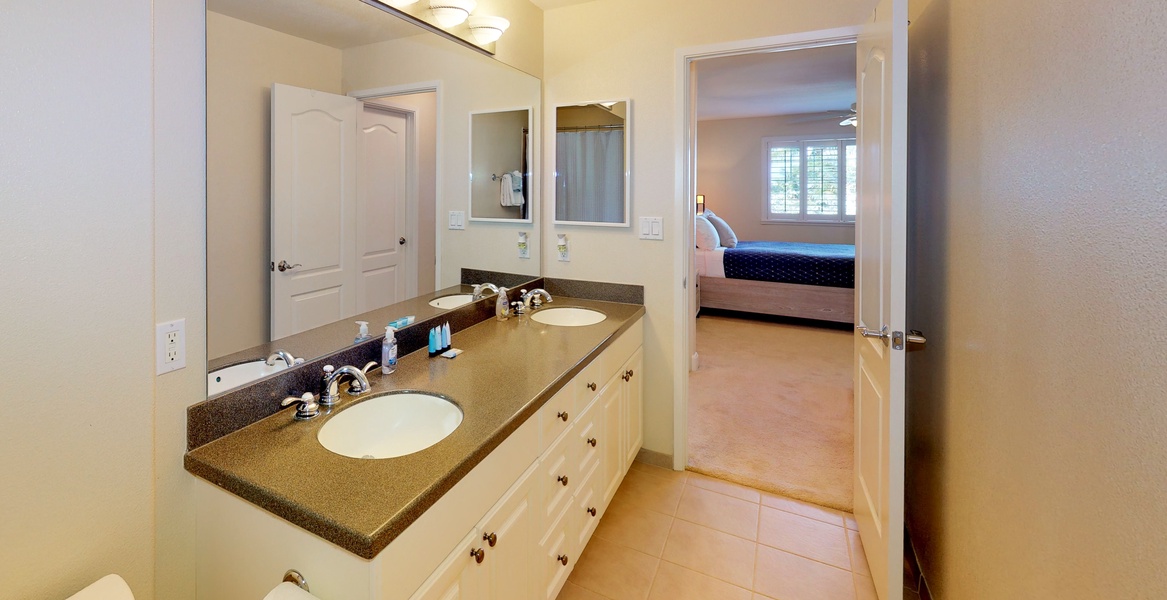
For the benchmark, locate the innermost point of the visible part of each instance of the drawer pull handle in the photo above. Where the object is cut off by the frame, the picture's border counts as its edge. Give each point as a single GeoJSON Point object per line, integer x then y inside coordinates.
{"type": "Point", "coordinates": [562, 558]}
{"type": "Point", "coordinates": [562, 479]}
{"type": "Point", "coordinates": [592, 386]}
{"type": "Point", "coordinates": [562, 415]}
{"type": "Point", "coordinates": [592, 442]}
{"type": "Point", "coordinates": [592, 511]}
{"type": "Point", "coordinates": [479, 555]}
{"type": "Point", "coordinates": [630, 373]}
{"type": "Point", "coordinates": [490, 538]}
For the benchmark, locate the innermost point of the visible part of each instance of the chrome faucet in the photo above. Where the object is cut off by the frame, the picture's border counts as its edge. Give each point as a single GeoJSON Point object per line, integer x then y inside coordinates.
{"type": "Point", "coordinates": [281, 354]}
{"type": "Point", "coordinates": [330, 395]}
{"type": "Point", "coordinates": [479, 288]}
{"type": "Point", "coordinates": [532, 301]}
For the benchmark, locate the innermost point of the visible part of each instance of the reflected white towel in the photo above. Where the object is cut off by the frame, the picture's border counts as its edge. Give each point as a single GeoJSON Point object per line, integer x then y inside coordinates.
{"type": "Point", "coordinates": [506, 190]}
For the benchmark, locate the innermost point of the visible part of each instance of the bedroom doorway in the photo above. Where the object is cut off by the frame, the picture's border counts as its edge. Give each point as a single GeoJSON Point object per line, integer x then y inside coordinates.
{"type": "Point", "coordinates": [770, 391]}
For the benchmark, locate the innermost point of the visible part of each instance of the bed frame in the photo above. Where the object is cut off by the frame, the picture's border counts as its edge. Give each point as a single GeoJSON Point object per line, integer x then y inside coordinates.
{"type": "Point", "coordinates": [782, 299]}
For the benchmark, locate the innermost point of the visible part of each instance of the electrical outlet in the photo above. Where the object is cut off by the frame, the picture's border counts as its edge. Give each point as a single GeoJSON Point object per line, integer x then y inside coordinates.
{"type": "Point", "coordinates": [170, 338]}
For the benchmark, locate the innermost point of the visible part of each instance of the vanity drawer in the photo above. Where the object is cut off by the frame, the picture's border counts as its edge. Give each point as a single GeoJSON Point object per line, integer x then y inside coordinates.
{"type": "Point", "coordinates": [557, 478]}
{"type": "Point", "coordinates": [555, 417]}
{"type": "Point", "coordinates": [587, 384]}
{"type": "Point", "coordinates": [615, 355]}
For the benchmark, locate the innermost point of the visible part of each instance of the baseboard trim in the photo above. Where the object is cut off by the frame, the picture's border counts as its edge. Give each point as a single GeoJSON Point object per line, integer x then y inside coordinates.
{"type": "Point", "coordinates": [654, 458]}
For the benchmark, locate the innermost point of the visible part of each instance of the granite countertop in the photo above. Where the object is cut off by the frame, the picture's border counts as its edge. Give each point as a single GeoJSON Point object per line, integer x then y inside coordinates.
{"type": "Point", "coordinates": [507, 371]}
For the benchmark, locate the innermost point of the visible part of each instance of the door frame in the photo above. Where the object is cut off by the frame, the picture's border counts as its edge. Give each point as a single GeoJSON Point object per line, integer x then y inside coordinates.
{"type": "Point", "coordinates": [411, 212]}
{"type": "Point", "coordinates": [685, 325]}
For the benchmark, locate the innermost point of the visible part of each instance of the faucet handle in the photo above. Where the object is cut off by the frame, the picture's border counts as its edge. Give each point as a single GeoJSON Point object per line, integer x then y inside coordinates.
{"type": "Point", "coordinates": [355, 387]}
{"type": "Point", "coordinates": [306, 406]}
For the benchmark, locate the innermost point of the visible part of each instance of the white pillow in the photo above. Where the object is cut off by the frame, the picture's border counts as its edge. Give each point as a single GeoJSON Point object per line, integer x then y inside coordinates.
{"type": "Point", "coordinates": [707, 238]}
{"type": "Point", "coordinates": [724, 232]}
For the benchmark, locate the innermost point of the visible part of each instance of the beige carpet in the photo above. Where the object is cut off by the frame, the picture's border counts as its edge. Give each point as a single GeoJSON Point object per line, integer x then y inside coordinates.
{"type": "Point", "coordinates": [771, 408]}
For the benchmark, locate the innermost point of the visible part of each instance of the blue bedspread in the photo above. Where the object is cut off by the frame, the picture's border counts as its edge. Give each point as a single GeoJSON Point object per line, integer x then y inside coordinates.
{"type": "Point", "coordinates": [830, 265]}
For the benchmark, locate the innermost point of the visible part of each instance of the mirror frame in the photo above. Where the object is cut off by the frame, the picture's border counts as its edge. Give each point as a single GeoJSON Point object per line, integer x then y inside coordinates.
{"type": "Point", "coordinates": [532, 171]}
{"type": "Point", "coordinates": [553, 160]}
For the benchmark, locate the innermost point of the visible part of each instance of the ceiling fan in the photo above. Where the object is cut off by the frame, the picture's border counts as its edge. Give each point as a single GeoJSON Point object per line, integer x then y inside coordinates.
{"type": "Point", "coordinates": [849, 117]}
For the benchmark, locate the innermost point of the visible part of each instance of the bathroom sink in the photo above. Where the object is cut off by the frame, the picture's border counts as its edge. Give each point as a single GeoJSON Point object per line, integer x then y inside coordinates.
{"type": "Point", "coordinates": [568, 316]}
{"type": "Point", "coordinates": [451, 301]}
{"type": "Point", "coordinates": [390, 425]}
{"type": "Point", "coordinates": [226, 378]}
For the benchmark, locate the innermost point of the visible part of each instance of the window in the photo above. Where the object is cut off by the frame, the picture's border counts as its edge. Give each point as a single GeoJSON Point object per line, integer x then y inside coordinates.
{"type": "Point", "coordinates": [810, 180]}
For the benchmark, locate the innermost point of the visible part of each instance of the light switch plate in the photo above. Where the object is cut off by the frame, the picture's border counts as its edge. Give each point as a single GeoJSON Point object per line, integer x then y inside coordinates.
{"type": "Point", "coordinates": [652, 228]}
{"type": "Point", "coordinates": [457, 219]}
{"type": "Point", "coordinates": [170, 342]}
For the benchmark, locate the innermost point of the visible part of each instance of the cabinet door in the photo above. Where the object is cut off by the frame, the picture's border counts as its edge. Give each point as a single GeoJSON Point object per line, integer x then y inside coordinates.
{"type": "Point", "coordinates": [612, 407]}
{"type": "Point", "coordinates": [633, 437]}
{"type": "Point", "coordinates": [508, 535]}
{"type": "Point", "coordinates": [460, 576]}
{"type": "Point", "coordinates": [556, 556]}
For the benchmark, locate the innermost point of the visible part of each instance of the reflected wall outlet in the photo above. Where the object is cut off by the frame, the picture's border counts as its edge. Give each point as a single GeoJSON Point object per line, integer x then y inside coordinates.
{"type": "Point", "coordinates": [457, 219]}
{"type": "Point", "coordinates": [170, 340]}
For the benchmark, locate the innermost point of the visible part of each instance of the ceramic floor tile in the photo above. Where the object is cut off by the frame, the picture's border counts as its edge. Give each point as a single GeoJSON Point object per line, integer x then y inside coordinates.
{"type": "Point", "coordinates": [614, 571]}
{"type": "Point", "coordinates": [865, 588]}
{"type": "Point", "coordinates": [633, 526]}
{"type": "Point", "coordinates": [790, 577]}
{"type": "Point", "coordinates": [813, 511]}
{"type": "Point", "coordinates": [858, 556]}
{"type": "Point", "coordinates": [721, 512]}
{"type": "Point", "coordinates": [724, 487]}
{"type": "Point", "coordinates": [804, 537]}
{"type": "Point", "coordinates": [705, 550]}
{"type": "Point", "coordinates": [659, 471]}
{"type": "Point", "coordinates": [651, 492]}
{"type": "Point", "coordinates": [572, 591]}
{"type": "Point", "coordinates": [674, 582]}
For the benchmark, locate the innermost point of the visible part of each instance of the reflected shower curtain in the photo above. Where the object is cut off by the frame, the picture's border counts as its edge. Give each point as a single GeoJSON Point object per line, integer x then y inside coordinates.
{"type": "Point", "coordinates": [589, 176]}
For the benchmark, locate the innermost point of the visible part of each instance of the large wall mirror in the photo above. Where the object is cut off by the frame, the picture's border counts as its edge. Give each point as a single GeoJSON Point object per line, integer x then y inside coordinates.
{"type": "Point", "coordinates": [592, 164]}
{"type": "Point", "coordinates": [338, 142]}
{"type": "Point", "coordinates": [500, 173]}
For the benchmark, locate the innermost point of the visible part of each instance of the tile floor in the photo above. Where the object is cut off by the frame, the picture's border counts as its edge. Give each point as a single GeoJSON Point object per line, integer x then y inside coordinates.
{"type": "Point", "coordinates": [678, 535]}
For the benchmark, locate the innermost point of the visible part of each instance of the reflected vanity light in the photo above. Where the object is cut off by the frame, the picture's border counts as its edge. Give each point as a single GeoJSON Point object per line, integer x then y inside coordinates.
{"type": "Point", "coordinates": [487, 29]}
{"type": "Point", "coordinates": [700, 204]}
{"type": "Point", "coordinates": [449, 13]}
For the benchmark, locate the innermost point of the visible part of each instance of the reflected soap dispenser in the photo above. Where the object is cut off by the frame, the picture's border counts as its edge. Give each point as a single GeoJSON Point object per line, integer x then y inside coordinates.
{"type": "Point", "coordinates": [502, 308]}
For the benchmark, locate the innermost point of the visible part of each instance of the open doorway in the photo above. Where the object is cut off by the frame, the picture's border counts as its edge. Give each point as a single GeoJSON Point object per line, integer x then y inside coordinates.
{"type": "Point", "coordinates": [770, 397]}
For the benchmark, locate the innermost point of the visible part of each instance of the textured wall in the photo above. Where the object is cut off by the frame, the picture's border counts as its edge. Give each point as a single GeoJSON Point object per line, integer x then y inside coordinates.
{"type": "Point", "coordinates": [1037, 458]}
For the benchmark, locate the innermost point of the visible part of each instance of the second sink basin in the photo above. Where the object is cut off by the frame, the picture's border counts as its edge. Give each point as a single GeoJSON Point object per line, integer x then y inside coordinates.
{"type": "Point", "coordinates": [390, 425]}
{"type": "Point", "coordinates": [452, 301]}
{"type": "Point", "coordinates": [234, 376]}
{"type": "Point", "coordinates": [568, 316]}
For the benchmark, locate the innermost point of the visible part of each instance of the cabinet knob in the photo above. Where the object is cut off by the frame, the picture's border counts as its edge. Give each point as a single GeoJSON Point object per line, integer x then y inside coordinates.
{"type": "Point", "coordinates": [562, 479]}
{"type": "Point", "coordinates": [625, 376]}
{"type": "Point", "coordinates": [592, 511]}
{"type": "Point", "coordinates": [479, 555]}
{"type": "Point", "coordinates": [562, 415]}
{"type": "Point", "coordinates": [562, 559]}
{"type": "Point", "coordinates": [630, 373]}
{"type": "Point", "coordinates": [490, 538]}
{"type": "Point", "coordinates": [592, 386]}
{"type": "Point", "coordinates": [592, 442]}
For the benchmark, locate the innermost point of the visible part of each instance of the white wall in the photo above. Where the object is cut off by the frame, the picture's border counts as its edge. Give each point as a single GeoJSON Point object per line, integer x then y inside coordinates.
{"type": "Point", "coordinates": [86, 187]}
{"type": "Point", "coordinates": [469, 82]}
{"type": "Point", "coordinates": [1037, 426]}
{"type": "Point", "coordinates": [637, 60]}
{"type": "Point", "coordinates": [732, 175]}
{"type": "Point", "coordinates": [243, 60]}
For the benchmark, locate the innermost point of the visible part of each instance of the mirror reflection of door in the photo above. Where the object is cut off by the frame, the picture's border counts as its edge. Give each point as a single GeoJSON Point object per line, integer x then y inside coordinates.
{"type": "Point", "coordinates": [385, 180]}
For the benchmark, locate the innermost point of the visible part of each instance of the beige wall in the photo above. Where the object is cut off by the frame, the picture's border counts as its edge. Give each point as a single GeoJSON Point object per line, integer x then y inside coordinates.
{"type": "Point", "coordinates": [243, 60]}
{"type": "Point", "coordinates": [637, 60]}
{"type": "Point", "coordinates": [731, 174]}
{"type": "Point", "coordinates": [109, 193]}
{"type": "Point", "coordinates": [469, 82]}
{"type": "Point", "coordinates": [1037, 426]}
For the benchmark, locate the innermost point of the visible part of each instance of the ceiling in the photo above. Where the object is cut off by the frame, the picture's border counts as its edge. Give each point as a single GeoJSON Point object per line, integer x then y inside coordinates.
{"type": "Point", "coordinates": [795, 82]}
{"type": "Point", "coordinates": [550, 4]}
{"type": "Point", "coordinates": [335, 23]}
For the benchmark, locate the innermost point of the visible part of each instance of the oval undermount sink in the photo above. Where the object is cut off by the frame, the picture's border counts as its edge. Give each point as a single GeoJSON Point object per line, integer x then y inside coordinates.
{"type": "Point", "coordinates": [390, 425]}
{"type": "Point", "coordinates": [568, 316]}
{"type": "Point", "coordinates": [452, 301]}
{"type": "Point", "coordinates": [221, 380]}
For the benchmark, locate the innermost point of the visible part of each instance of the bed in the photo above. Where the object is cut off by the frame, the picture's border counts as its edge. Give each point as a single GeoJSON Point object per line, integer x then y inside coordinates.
{"type": "Point", "coordinates": [808, 281]}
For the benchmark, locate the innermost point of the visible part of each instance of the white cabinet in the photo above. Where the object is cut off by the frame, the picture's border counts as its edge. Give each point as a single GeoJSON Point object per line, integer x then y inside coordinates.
{"type": "Point", "coordinates": [612, 408]}
{"type": "Point", "coordinates": [509, 543]}
{"type": "Point", "coordinates": [633, 434]}
{"type": "Point", "coordinates": [460, 576]}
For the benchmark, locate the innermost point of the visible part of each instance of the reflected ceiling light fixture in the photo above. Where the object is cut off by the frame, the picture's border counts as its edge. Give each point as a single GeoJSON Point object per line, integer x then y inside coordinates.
{"type": "Point", "coordinates": [487, 29]}
{"type": "Point", "coordinates": [398, 4]}
{"type": "Point", "coordinates": [449, 13]}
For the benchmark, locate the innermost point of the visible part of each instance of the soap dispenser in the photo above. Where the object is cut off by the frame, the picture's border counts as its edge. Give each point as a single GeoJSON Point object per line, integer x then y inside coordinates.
{"type": "Point", "coordinates": [389, 352]}
{"type": "Point", "coordinates": [502, 310]}
{"type": "Point", "coordinates": [363, 334]}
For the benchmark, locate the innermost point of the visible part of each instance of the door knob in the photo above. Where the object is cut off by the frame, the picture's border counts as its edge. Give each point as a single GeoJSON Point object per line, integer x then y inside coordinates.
{"type": "Point", "coordinates": [401, 241]}
{"type": "Point", "coordinates": [284, 266]}
{"type": "Point", "coordinates": [882, 334]}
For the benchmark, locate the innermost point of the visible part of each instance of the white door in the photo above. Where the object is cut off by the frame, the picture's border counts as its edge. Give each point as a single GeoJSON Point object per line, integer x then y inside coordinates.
{"type": "Point", "coordinates": [461, 576]}
{"type": "Point", "coordinates": [384, 242]}
{"type": "Point", "coordinates": [313, 208]}
{"type": "Point", "coordinates": [880, 268]}
{"type": "Point", "coordinates": [512, 550]}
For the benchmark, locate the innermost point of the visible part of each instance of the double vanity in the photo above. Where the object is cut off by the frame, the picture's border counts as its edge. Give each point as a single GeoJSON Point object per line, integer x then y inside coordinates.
{"type": "Point", "coordinates": [503, 462]}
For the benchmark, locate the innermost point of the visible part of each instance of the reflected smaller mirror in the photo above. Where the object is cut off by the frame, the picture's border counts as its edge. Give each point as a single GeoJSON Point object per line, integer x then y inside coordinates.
{"type": "Point", "coordinates": [591, 164]}
{"type": "Point", "coordinates": [500, 158]}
